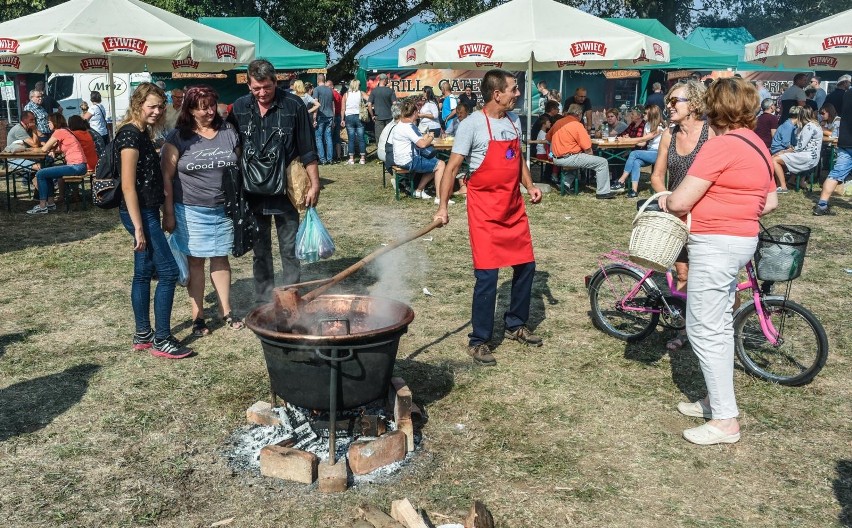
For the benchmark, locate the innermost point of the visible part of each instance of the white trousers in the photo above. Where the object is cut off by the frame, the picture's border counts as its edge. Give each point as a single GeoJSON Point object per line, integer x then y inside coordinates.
{"type": "Point", "coordinates": [714, 262]}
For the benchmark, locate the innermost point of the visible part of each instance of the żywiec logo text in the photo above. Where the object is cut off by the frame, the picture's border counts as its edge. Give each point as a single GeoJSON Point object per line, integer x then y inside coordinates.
{"type": "Point", "coordinates": [476, 49]}
{"type": "Point", "coordinates": [822, 60]}
{"type": "Point", "coordinates": [12, 61]}
{"type": "Point", "coordinates": [410, 55]}
{"type": "Point", "coordinates": [761, 49]}
{"type": "Point", "coordinates": [225, 50]}
{"type": "Point", "coordinates": [9, 45]}
{"type": "Point", "coordinates": [185, 63]}
{"type": "Point", "coordinates": [562, 64]}
{"type": "Point", "coordinates": [125, 44]}
{"type": "Point", "coordinates": [588, 47]}
{"type": "Point", "coordinates": [837, 41]}
{"type": "Point", "coordinates": [658, 50]}
{"type": "Point", "coordinates": [94, 63]}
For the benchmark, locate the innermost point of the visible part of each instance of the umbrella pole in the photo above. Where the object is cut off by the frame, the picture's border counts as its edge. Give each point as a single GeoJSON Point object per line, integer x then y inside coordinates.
{"type": "Point", "coordinates": [111, 97]}
{"type": "Point", "coordinates": [529, 108]}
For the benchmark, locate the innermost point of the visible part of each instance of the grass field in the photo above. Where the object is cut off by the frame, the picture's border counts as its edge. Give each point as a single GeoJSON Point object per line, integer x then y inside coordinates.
{"type": "Point", "coordinates": [581, 432]}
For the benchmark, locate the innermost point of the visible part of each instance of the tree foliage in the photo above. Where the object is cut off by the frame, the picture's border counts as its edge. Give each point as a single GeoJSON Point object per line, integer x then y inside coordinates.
{"type": "Point", "coordinates": [764, 18]}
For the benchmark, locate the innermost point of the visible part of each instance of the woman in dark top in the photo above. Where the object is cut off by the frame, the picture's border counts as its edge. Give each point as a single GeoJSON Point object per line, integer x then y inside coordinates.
{"type": "Point", "coordinates": [678, 148]}
{"type": "Point", "coordinates": [142, 195]}
{"type": "Point", "coordinates": [194, 159]}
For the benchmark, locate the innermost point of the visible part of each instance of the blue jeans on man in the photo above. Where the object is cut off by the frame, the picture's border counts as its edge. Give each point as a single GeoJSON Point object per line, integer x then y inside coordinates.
{"type": "Point", "coordinates": [325, 147]}
{"type": "Point", "coordinates": [158, 257]}
{"type": "Point", "coordinates": [485, 301]}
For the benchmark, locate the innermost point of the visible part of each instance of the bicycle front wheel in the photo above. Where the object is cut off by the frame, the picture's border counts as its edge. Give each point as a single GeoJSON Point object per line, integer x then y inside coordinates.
{"type": "Point", "coordinates": [800, 352]}
{"type": "Point", "coordinates": [610, 305]}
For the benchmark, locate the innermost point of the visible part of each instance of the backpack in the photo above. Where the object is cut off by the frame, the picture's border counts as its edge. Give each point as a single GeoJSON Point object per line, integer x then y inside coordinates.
{"type": "Point", "coordinates": [106, 182]}
{"type": "Point", "coordinates": [389, 163]}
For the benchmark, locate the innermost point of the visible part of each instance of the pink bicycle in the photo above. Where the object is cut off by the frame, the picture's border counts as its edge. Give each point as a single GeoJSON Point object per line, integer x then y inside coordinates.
{"type": "Point", "coordinates": [776, 339]}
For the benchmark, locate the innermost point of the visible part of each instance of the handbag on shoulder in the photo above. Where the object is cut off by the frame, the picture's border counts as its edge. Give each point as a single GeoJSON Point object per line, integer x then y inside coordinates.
{"type": "Point", "coordinates": [264, 170]}
{"type": "Point", "coordinates": [238, 210]}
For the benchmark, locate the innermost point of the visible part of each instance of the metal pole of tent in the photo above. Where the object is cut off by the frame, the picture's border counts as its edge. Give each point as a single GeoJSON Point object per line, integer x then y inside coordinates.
{"type": "Point", "coordinates": [8, 110]}
{"type": "Point", "coordinates": [529, 107]}
{"type": "Point", "coordinates": [111, 98]}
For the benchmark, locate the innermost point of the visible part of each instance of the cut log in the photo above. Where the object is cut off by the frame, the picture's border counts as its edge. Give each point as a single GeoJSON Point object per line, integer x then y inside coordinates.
{"type": "Point", "coordinates": [479, 517]}
{"type": "Point", "coordinates": [362, 524]}
{"type": "Point", "coordinates": [377, 517]}
{"type": "Point", "coordinates": [404, 512]}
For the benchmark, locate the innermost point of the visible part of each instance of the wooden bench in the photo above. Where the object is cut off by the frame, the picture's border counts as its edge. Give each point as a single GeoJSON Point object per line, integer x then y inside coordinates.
{"type": "Point", "coordinates": [564, 172]}
{"type": "Point", "coordinates": [76, 183]}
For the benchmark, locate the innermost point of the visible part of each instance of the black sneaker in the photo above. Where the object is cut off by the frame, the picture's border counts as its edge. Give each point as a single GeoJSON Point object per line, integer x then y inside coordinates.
{"type": "Point", "coordinates": [482, 355]}
{"type": "Point", "coordinates": [632, 194]}
{"type": "Point", "coordinates": [822, 211]}
{"type": "Point", "coordinates": [605, 196]}
{"type": "Point", "coordinates": [143, 341]}
{"type": "Point", "coordinates": [170, 348]}
{"type": "Point", "coordinates": [523, 335]}
{"type": "Point", "coordinates": [616, 186]}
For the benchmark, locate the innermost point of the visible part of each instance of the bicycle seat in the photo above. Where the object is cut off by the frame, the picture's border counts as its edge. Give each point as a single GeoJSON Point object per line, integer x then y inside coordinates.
{"type": "Point", "coordinates": [654, 205]}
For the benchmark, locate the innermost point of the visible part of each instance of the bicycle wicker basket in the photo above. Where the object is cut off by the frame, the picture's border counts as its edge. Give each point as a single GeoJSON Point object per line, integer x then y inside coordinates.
{"type": "Point", "coordinates": [780, 252]}
{"type": "Point", "coordinates": [657, 237]}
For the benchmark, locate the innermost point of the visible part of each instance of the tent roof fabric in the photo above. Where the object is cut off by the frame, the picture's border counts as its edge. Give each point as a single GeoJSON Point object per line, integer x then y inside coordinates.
{"type": "Point", "coordinates": [728, 40]}
{"type": "Point", "coordinates": [269, 44]}
{"type": "Point", "coordinates": [386, 58]}
{"type": "Point", "coordinates": [684, 56]}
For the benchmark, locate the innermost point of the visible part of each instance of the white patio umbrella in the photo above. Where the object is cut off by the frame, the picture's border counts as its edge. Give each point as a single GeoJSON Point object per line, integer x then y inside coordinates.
{"type": "Point", "coordinates": [822, 45]}
{"type": "Point", "coordinates": [127, 36]}
{"type": "Point", "coordinates": [534, 35]}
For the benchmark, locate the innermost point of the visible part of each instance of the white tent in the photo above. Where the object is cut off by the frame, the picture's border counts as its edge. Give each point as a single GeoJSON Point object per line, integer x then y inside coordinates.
{"type": "Point", "coordinates": [534, 35]}
{"type": "Point", "coordinates": [822, 45]}
{"type": "Point", "coordinates": [116, 36]}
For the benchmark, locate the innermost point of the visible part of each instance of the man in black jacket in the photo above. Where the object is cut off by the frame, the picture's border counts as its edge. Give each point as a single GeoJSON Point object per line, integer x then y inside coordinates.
{"type": "Point", "coordinates": [266, 112]}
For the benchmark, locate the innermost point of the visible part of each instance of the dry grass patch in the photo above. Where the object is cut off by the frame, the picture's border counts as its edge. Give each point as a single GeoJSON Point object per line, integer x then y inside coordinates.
{"type": "Point", "coordinates": [581, 432]}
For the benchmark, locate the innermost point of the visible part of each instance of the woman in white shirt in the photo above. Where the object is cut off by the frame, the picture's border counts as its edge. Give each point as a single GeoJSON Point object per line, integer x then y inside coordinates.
{"type": "Point", "coordinates": [407, 142]}
{"type": "Point", "coordinates": [639, 158]}
{"type": "Point", "coordinates": [429, 113]}
{"type": "Point", "coordinates": [352, 120]}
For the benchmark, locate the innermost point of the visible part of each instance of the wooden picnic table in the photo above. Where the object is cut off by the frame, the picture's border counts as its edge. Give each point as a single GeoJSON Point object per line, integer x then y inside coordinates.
{"type": "Point", "coordinates": [31, 154]}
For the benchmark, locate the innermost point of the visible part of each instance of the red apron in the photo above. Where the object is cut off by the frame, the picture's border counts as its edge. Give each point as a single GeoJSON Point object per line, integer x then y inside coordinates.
{"type": "Point", "coordinates": [497, 220]}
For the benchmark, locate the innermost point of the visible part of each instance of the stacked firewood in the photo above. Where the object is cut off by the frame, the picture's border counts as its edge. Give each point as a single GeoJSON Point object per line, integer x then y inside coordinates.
{"type": "Point", "coordinates": [403, 515]}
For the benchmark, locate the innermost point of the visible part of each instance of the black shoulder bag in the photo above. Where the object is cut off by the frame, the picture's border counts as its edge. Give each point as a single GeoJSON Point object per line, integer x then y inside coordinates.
{"type": "Point", "coordinates": [238, 210]}
{"type": "Point", "coordinates": [264, 169]}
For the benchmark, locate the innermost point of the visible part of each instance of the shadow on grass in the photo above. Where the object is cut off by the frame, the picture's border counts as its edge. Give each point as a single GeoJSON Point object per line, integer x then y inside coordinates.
{"type": "Point", "coordinates": [10, 339]}
{"type": "Point", "coordinates": [843, 491]}
{"type": "Point", "coordinates": [428, 382]}
{"type": "Point", "coordinates": [540, 298]}
{"type": "Point", "coordinates": [58, 227]}
{"type": "Point", "coordinates": [28, 406]}
{"type": "Point", "coordinates": [686, 372]}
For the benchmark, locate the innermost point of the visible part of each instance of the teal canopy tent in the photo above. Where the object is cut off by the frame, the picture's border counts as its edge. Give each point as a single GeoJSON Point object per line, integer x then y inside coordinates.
{"type": "Point", "coordinates": [269, 45]}
{"type": "Point", "coordinates": [386, 58]}
{"type": "Point", "coordinates": [729, 41]}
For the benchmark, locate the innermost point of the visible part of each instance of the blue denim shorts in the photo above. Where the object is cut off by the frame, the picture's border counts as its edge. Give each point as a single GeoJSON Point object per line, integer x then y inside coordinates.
{"type": "Point", "coordinates": [842, 166]}
{"type": "Point", "coordinates": [203, 231]}
{"type": "Point", "coordinates": [422, 165]}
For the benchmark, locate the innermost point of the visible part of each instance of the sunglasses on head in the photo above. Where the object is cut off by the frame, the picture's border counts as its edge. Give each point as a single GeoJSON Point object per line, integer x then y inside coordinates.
{"type": "Point", "coordinates": [675, 100]}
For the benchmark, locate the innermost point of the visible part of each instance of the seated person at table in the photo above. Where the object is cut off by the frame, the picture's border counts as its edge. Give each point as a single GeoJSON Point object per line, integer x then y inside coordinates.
{"type": "Point", "coordinates": [23, 136]}
{"type": "Point", "coordinates": [77, 126]}
{"type": "Point", "coordinates": [830, 120]}
{"type": "Point", "coordinates": [785, 135]}
{"type": "Point", "coordinates": [571, 146]}
{"type": "Point", "coordinates": [462, 112]}
{"type": "Point", "coordinates": [542, 150]}
{"type": "Point", "coordinates": [407, 142]}
{"type": "Point", "coordinates": [636, 126]}
{"type": "Point", "coordinates": [805, 155]}
{"type": "Point", "coordinates": [639, 158]}
{"type": "Point", "coordinates": [63, 140]}
{"type": "Point", "coordinates": [614, 122]}
{"type": "Point", "coordinates": [767, 121]}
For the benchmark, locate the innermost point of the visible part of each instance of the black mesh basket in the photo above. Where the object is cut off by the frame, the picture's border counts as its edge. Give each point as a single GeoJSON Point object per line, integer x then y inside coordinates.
{"type": "Point", "coordinates": [781, 252]}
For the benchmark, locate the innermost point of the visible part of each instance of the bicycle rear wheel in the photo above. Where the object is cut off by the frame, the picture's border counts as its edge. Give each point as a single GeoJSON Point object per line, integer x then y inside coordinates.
{"type": "Point", "coordinates": [607, 294]}
{"type": "Point", "coordinates": [802, 348]}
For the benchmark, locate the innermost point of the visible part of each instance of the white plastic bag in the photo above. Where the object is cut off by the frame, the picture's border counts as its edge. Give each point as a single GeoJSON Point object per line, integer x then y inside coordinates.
{"type": "Point", "coordinates": [180, 258]}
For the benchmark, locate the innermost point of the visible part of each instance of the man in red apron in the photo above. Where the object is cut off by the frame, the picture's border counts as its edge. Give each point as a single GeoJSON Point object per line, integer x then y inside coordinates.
{"type": "Point", "coordinates": [499, 229]}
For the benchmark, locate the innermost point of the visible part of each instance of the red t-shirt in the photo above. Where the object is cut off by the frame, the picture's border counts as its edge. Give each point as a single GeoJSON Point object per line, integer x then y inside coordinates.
{"type": "Point", "coordinates": [69, 146]}
{"type": "Point", "coordinates": [765, 124]}
{"type": "Point", "coordinates": [741, 181]}
{"type": "Point", "coordinates": [88, 145]}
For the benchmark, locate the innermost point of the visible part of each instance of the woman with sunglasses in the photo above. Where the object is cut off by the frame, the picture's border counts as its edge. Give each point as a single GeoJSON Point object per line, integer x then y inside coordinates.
{"type": "Point", "coordinates": [678, 148]}
{"type": "Point", "coordinates": [727, 189]}
{"type": "Point", "coordinates": [830, 120]}
{"type": "Point", "coordinates": [639, 158]}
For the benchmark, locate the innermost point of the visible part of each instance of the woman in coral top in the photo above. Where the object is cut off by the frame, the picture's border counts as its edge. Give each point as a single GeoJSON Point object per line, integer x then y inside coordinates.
{"type": "Point", "coordinates": [77, 126]}
{"type": "Point", "coordinates": [729, 186]}
{"type": "Point", "coordinates": [63, 141]}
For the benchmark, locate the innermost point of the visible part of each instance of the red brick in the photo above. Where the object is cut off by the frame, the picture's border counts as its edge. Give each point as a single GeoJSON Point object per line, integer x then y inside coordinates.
{"type": "Point", "coordinates": [288, 464]}
{"type": "Point", "coordinates": [402, 400]}
{"type": "Point", "coordinates": [367, 456]}
{"type": "Point", "coordinates": [333, 479]}
{"type": "Point", "coordinates": [261, 413]}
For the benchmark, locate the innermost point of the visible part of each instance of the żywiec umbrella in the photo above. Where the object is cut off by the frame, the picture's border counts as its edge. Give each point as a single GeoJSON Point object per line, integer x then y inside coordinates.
{"type": "Point", "coordinates": [534, 35]}
{"type": "Point", "coordinates": [116, 36]}
{"type": "Point", "coordinates": [822, 45]}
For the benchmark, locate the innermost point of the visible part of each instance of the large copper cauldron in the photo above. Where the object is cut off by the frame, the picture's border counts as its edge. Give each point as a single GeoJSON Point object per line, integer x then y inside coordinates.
{"type": "Point", "coordinates": [356, 335]}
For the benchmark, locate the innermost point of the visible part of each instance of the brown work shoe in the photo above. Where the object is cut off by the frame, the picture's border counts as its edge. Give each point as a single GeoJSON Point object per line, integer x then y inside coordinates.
{"type": "Point", "coordinates": [482, 355]}
{"type": "Point", "coordinates": [523, 335]}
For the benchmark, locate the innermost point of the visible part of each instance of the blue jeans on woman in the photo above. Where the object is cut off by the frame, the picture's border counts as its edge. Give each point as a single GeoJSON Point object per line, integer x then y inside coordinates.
{"type": "Point", "coordinates": [48, 175]}
{"type": "Point", "coordinates": [355, 131]}
{"type": "Point", "coordinates": [638, 159]}
{"type": "Point", "coordinates": [158, 257]}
